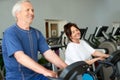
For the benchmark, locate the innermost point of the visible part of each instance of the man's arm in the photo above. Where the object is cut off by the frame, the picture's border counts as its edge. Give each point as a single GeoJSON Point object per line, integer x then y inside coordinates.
{"type": "Point", "coordinates": [52, 57]}
{"type": "Point", "coordinates": [31, 64]}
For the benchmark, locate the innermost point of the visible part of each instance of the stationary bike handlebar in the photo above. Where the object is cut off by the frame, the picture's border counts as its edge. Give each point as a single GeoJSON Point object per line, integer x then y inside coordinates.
{"type": "Point", "coordinates": [71, 71]}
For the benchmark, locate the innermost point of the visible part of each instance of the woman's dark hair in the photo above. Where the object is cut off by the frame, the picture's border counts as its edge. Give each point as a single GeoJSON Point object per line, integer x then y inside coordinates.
{"type": "Point", "coordinates": [67, 29]}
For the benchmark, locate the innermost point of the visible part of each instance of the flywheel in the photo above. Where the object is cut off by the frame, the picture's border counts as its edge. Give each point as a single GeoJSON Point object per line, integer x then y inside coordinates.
{"type": "Point", "coordinates": [110, 46]}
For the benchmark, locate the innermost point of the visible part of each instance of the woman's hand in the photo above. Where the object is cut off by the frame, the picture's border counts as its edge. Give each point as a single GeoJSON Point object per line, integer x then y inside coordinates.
{"type": "Point", "coordinates": [91, 61]}
{"type": "Point", "coordinates": [100, 54]}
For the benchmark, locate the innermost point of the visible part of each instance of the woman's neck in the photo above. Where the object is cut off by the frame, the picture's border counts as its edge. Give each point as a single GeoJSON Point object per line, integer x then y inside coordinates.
{"type": "Point", "coordinates": [76, 41]}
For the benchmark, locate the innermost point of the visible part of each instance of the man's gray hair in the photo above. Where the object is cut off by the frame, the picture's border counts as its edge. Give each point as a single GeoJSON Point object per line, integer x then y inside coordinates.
{"type": "Point", "coordinates": [17, 7]}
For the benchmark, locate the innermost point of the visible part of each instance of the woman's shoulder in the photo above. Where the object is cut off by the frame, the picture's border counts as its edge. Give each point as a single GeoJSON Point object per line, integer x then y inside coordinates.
{"type": "Point", "coordinates": [71, 43]}
{"type": "Point", "coordinates": [82, 40]}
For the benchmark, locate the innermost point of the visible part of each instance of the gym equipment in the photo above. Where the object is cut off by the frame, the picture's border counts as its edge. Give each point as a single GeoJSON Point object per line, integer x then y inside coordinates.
{"type": "Point", "coordinates": [116, 36]}
{"type": "Point", "coordinates": [101, 30]}
{"type": "Point", "coordinates": [2, 69]}
{"type": "Point", "coordinates": [55, 40]}
{"type": "Point", "coordinates": [108, 43]}
{"type": "Point", "coordinates": [55, 43]}
{"type": "Point", "coordinates": [83, 32]}
{"type": "Point", "coordinates": [80, 68]}
{"type": "Point", "coordinates": [111, 62]}
{"type": "Point", "coordinates": [72, 71]}
{"type": "Point", "coordinates": [94, 41]}
{"type": "Point", "coordinates": [89, 40]}
{"type": "Point", "coordinates": [88, 75]}
{"type": "Point", "coordinates": [116, 31]}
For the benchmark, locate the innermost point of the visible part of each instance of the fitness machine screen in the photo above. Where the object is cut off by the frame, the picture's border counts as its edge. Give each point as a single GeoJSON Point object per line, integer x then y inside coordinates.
{"type": "Point", "coordinates": [83, 31]}
{"type": "Point", "coordinates": [99, 33]}
{"type": "Point", "coordinates": [117, 32]}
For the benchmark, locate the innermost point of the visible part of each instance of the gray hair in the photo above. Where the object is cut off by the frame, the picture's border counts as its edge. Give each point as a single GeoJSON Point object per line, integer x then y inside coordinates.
{"type": "Point", "coordinates": [17, 7]}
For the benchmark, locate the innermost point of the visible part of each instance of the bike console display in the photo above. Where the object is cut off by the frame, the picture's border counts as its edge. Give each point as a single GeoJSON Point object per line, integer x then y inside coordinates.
{"type": "Point", "coordinates": [116, 32]}
{"type": "Point", "coordinates": [100, 30]}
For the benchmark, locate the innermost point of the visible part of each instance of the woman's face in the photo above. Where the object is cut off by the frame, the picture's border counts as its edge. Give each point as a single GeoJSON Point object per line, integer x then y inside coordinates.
{"type": "Point", "coordinates": [75, 34]}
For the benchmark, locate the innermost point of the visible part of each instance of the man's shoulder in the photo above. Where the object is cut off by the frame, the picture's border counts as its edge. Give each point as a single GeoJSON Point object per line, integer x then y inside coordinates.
{"type": "Point", "coordinates": [32, 28]}
{"type": "Point", "coordinates": [10, 28]}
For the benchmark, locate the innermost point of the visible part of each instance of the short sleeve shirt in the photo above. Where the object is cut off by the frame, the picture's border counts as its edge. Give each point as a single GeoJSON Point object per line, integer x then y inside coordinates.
{"type": "Point", "coordinates": [78, 52]}
{"type": "Point", "coordinates": [30, 42]}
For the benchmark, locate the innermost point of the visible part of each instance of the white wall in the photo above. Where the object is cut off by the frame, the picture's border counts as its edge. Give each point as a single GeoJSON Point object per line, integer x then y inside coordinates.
{"type": "Point", "coordinates": [86, 13]}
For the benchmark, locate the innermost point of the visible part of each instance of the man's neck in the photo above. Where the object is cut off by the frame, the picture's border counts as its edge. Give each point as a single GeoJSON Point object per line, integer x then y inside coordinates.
{"type": "Point", "coordinates": [24, 26]}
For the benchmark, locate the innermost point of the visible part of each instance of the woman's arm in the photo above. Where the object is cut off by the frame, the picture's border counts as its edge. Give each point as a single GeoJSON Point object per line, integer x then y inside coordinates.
{"type": "Point", "coordinates": [93, 60]}
{"type": "Point", "coordinates": [100, 54]}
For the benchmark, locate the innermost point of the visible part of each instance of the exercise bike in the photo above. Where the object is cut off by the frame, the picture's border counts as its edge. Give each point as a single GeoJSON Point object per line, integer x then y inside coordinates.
{"type": "Point", "coordinates": [73, 71]}
{"type": "Point", "coordinates": [111, 62]}
{"type": "Point", "coordinates": [108, 42]}
{"type": "Point", "coordinates": [76, 69]}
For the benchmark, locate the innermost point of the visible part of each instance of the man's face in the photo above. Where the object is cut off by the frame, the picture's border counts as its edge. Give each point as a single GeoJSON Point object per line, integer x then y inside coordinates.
{"type": "Point", "coordinates": [26, 14]}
